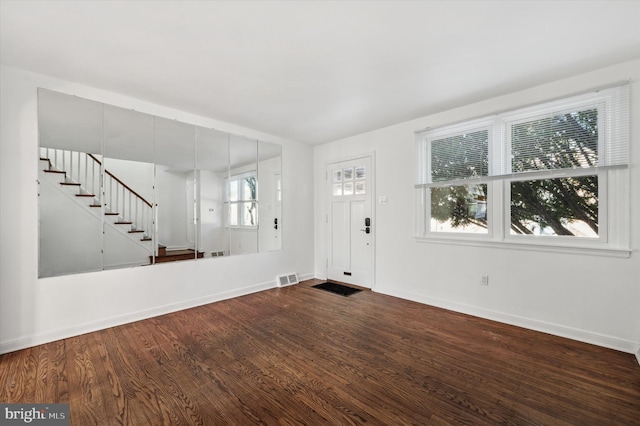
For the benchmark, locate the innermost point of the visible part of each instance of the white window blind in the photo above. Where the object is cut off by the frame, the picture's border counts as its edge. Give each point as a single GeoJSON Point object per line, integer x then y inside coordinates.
{"type": "Point", "coordinates": [460, 156]}
{"type": "Point", "coordinates": [583, 132]}
{"type": "Point", "coordinates": [455, 154]}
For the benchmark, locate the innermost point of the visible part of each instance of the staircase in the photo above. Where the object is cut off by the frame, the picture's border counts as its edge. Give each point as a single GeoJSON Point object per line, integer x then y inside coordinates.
{"type": "Point", "coordinates": [78, 175]}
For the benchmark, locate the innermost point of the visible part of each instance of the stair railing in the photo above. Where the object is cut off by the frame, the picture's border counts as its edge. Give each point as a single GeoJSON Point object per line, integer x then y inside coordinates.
{"type": "Point", "coordinates": [118, 197]}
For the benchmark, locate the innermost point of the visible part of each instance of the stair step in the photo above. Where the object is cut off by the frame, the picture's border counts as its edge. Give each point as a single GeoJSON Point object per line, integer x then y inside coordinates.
{"type": "Point", "coordinates": [111, 213]}
{"type": "Point", "coordinates": [134, 231]}
{"type": "Point", "coordinates": [95, 205]}
{"type": "Point", "coordinates": [85, 195]}
{"type": "Point", "coordinates": [175, 255]}
{"type": "Point", "coordinates": [123, 223]}
{"type": "Point", "coordinates": [145, 239]}
{"type": "Point", "coordinates": [69, 184]}
{"type": "Point", "coordinates": [56, 171]}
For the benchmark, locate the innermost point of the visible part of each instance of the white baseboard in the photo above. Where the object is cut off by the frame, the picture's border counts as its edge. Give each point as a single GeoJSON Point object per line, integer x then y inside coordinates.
{"type": "Point", "coordinates": [529, 323]}
{"type": "Point", "coordinates": [305, 277]}
{"type": "Point", "coordinates": [53, 335]}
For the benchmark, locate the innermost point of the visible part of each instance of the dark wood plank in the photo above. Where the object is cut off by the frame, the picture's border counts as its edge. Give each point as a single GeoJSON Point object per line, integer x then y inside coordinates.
{"type": "Point", "coordinates": [298, 355]}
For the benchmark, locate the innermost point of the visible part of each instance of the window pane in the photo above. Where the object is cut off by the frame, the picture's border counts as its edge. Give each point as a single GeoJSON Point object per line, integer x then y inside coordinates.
{"type": "Point", "coordinates": [360, 173]}
{"type": "Point", "coordinates": [249, 214]}
{"type": "Point", "coordinates": [233, 190]}
{"type": "Point", "coordinates": [562, 206]}
{"type": "Point", "coordinates": [564, 141]}
{"type": "Point", "coordinates": [459, 209]}
{"type": "Point", "coordinates": [360, 188]}
{"type": "Point", "coordinates": [337, 176]}
{"type": "Point", "coordinates": [348, 174]}
{"type": "Point", "coordinates": [249, 188]}
{"type": "Point", "coordinates": [233, 214]}
{"type": "Point", "coordinates": [337, 189]}
{"type": "Point", "coordinates": [348, 188]}
{"type": "Point", "coordinates": [460, 156]}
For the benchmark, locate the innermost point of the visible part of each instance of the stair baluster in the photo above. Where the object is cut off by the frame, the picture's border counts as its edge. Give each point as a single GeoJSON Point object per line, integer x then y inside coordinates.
{"type": "Point", "coordinates": [84, 169]}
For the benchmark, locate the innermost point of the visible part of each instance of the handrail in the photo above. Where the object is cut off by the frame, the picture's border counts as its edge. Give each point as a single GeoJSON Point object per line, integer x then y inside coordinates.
{"type": "Point", "coordinates": [111, 192]}
{"type": "Point", "coordinates": [120, 182]}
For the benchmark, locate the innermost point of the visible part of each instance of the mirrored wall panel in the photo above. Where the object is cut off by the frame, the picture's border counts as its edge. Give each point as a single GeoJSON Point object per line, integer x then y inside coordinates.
{"type": "Point", "coordinates": [120, 188]}
{"type": "Point", "coordinates": [270, 196]}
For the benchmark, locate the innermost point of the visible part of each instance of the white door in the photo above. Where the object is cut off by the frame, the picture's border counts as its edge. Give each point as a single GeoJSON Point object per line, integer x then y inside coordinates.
{"type": "Point", "coordinates": [349, 222]}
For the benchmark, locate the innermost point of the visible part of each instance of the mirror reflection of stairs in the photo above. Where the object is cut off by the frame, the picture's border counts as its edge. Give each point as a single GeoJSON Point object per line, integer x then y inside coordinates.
{"type": "Point", "coordinates": [78, 175]}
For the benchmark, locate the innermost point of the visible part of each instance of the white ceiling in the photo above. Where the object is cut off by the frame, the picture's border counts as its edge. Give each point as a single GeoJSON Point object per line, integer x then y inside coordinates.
{"type": "Point", "coordinates": [316, 71]}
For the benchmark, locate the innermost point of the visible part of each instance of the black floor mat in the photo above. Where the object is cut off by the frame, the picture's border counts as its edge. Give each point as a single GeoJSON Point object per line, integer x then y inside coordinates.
{"type": "Point", "coordinates": [340, 289]}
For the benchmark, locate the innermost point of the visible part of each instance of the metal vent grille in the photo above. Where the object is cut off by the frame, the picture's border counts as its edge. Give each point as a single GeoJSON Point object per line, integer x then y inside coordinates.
{"type": "Point", "coordinates": [287, 279]}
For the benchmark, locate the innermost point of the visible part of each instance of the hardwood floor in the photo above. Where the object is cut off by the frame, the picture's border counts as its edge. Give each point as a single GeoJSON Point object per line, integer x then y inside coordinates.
{"type": "Point", "coordinates": [300, 355]}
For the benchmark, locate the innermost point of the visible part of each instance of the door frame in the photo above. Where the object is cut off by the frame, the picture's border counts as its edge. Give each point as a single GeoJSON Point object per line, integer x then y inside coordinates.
{"type": "Point", "coordinates": [325, 211]}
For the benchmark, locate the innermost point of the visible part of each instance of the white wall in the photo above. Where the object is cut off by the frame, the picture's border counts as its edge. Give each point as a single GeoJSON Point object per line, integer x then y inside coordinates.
{"type": "Point", "coordinates": [172, 208]}
{"type": "Point", "coordinates": [34, 311]}
{"type": "Point", "coordinates": [585, 297]}
{"type": "Point", "coordinates": [70, 237]}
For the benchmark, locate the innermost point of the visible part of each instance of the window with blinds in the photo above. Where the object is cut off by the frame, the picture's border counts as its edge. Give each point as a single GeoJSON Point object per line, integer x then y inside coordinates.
{"type": "Point", "coordinates": [539, 171]}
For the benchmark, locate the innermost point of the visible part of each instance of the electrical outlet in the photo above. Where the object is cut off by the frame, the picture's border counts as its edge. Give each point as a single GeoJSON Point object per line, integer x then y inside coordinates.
{"type": "Point", "coordinates": [485, 280]}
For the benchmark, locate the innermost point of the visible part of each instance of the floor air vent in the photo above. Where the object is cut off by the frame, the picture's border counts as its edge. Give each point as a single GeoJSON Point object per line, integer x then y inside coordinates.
{"type": "Point", "coordinates": [288, 279]}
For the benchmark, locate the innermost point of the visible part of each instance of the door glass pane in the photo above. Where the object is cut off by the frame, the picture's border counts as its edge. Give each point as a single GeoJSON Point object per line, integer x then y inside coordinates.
{"type": "Point", "coordinates": [337, 176]}
{"type": "Point", "coordinates": [348, 174]}
{"type": "Point", "coordinates": [360, 187]}
{"type": "Point", "coordinates": [360, 173]}
{"type": "Point", "coordinates": [348, 188]}
{"type": "Point", "coordinates": [337, 189]}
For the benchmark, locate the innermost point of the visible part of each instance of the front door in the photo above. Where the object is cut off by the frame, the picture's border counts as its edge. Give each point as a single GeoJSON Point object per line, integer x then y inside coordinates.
{"type": "Point", "coordinates": [349, 221]}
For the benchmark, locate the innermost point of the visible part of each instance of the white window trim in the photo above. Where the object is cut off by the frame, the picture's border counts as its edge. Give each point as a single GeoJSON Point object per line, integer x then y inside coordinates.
{"type": "Point", "coordinates": [241, 200]}
{"type": "Point", "coordinates": [613, 236]}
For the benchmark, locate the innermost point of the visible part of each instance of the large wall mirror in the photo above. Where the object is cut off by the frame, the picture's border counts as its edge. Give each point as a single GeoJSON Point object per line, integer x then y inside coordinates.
{"type": "Point", "coordinates": [120, 188]}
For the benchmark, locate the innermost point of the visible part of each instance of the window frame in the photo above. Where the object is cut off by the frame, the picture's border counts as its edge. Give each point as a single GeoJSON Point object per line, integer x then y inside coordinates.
{"type": "Point", "coordinates": [241, 200]}
{"type": "Point", "coordinates": [613, 179]}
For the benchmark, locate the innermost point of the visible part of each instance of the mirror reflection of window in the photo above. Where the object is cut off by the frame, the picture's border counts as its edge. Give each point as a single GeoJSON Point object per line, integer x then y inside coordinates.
{"type": "Point", "coordinates": [243, 200]}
